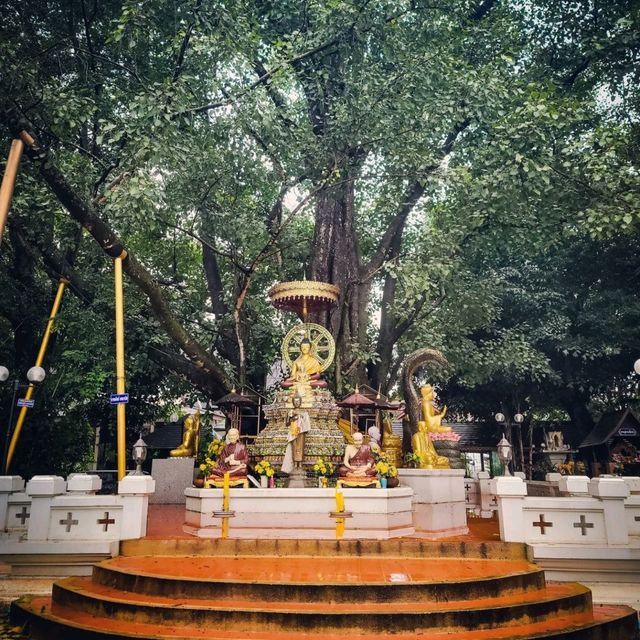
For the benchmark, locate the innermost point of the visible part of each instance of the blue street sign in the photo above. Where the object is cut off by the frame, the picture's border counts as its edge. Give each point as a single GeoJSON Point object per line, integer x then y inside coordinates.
{"type": "Point", "coordinates": [119, 398]}
{"type": "Point", "coordinates": [23, 402]}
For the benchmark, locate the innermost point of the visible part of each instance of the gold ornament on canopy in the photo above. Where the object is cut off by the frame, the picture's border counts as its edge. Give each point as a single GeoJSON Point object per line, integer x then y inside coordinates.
{"type": "Point", "coordinates": [304, 296]}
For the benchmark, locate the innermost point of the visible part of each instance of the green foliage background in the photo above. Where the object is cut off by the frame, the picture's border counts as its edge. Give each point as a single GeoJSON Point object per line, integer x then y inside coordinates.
{"type": "Point", "coordinates": [193, 128]}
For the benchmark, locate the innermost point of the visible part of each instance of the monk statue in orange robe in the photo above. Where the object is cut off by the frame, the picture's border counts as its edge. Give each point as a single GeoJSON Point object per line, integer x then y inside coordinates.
{"type": "Point", "coordinates": [358, 459]}
{"type": "Point", "coordinates": [233, 457]}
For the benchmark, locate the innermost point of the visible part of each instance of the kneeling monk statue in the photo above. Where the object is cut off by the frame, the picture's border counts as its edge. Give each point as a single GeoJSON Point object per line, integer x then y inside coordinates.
{"type": "Point", "coordinates": [358, 459]}
{"type": "Point", "coordinates": [233, 457]}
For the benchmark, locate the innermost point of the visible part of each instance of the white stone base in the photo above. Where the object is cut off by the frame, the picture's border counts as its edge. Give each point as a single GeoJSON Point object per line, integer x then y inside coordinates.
{"type": "Point", "coordinates": [301, 513]}
{"type": "Point", "coordinates": [568, 563]}
{"type": "Point", "coordinates": [172, 476]}
{"type": "Point", "coordinates": [439, 501]}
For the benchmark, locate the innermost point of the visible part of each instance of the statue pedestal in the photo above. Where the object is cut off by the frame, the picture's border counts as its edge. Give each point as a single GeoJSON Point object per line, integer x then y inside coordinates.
{"type": "Point", "coordinates": [438, 501]}
{"type": "Point", "coordinates": [297, 479]}
{"type": "Point", "coordinates": [172, 476]}
{"type": "Point", "coordinates": [300, 513]}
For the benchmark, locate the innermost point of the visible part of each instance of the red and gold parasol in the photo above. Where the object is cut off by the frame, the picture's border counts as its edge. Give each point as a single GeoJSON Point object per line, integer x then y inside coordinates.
{"type": "Point", "coordinates": [304, 296]}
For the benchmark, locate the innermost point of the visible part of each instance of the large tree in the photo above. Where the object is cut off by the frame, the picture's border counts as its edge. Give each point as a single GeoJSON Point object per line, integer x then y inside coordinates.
{"type": "Point", "coordinates": [374, 144]}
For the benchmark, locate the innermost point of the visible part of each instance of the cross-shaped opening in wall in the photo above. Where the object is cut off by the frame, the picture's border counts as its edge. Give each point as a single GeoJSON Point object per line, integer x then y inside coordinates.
{"type": "Point", "coordinates": [23, 515]}
{"type": "Point", "coordinates": [583, 525]}
{"type": "Point", "coordinates": [106, 521]}
{"type": "Point", "coordinates": [542, 524]}
{"type": "Point", "coordinates": [69, 522]}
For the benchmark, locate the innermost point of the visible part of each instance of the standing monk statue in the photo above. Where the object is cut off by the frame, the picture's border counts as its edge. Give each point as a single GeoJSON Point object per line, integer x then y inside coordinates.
{"type": "Point", "coordinates": [299, 423]}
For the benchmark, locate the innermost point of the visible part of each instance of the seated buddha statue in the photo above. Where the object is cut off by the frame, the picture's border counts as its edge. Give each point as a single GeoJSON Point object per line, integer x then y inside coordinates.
{"type": "Point", "coordinates": [358, 459]}
{"type": "Point", "coordinates": [233, 458]}
{"type": "Point", "coordinates": [189, 438]}
{"type": "Point", "coordinates": [432, 418]}
{"type": "Point", "coordinates": [305, 371]}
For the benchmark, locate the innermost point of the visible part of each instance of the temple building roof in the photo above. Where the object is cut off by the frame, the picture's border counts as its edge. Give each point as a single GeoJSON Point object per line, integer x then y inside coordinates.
{"type": "Point", "coordinates": [621, 423]}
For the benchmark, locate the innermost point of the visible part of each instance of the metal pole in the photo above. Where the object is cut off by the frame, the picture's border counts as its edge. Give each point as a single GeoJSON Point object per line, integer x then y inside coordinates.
{"type": "Point", "coordinates": [16, 386]}
{"type": "Point", "coordinates": [9, 181]}
{"type": "Point", "coordinates": [39, 360]}
{"type": "Point", "coordinates": [10, 174]}
{"type": "Point", "coordinates": [120, 380]}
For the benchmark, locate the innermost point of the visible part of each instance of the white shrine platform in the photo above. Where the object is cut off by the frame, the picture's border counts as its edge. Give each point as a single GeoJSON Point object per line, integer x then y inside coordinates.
{"type": "Point", "coordinates": [301, 513]}
{"type": "Point", "coordinates": [439, 504]}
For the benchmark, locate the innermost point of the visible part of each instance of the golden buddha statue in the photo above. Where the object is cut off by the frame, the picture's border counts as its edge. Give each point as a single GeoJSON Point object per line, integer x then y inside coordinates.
{"type": "Point", "coordinates": [422, 445]}
{"type": "Point", "coordinates": [188, 447]}
{"type": "Point", "coordinates": [432, 419]}
{"type": "Point", "coordinates": [391, 443]}
{"type": "Point", "coordinates": [431, 422]}
{"type": "Point", "coordinates": [305, 372]}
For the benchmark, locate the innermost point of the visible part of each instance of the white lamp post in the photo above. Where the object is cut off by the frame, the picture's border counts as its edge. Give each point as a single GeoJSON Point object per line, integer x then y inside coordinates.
{"type": "Point", "coordinates": [139, 453]}
{"type": "Point", "coordinates": [35, 375]}
{"type": "Point", "coordinates": [504, 455]}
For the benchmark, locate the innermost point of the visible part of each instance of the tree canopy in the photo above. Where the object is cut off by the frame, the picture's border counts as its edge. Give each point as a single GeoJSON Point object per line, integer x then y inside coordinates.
{"type": "Point", "coordinates": [466, 172]}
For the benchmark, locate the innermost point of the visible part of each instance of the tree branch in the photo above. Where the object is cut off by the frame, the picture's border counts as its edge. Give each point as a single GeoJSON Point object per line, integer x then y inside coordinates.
{"type": "Point", "coordinates": [177, 68]}
{"type": "Point", "coordinates": [413, 193]}
{"type": "Point", "coordinates": [108, 240]}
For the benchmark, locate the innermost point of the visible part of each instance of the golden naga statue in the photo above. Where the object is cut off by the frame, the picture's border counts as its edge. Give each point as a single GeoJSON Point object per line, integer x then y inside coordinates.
{"type": "Point", "coordinates": [189, 444]}
{"type": "Point", "coordinates": [416, 428]}
{"type": "Point", "coordinates": [429, 414]}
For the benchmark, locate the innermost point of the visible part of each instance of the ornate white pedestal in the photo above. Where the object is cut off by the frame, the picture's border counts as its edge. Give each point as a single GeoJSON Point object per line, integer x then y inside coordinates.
{"type": "Point", "coordinates": [301, 513]}
{"type": "Point", "coordinates": [172, 476]}
{"type": "Point", "coordinates": [439, 504]}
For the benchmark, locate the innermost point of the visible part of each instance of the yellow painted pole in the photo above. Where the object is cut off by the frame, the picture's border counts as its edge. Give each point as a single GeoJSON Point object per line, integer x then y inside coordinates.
{"type": "Point", "coordinates": [339, 509]}
{"type": "Point", "coordinates": [39, 360]}
{"type": "Point", "coordinates": [120, 379]}
{"type": "Point", "coordinates": [10, 174]}
{"type": "Point", "coordinates": [225, 505]}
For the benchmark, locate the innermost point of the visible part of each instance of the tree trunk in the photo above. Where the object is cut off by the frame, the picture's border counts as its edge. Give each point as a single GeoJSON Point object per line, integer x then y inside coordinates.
{"type": "Point", "coordinates": [336, 260]}
{"type": "Point", "coordinates": [576, 406]}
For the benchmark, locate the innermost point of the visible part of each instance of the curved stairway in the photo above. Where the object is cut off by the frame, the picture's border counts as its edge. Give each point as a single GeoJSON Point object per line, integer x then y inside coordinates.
{"type": "Point", "coordinates": [296, 590]}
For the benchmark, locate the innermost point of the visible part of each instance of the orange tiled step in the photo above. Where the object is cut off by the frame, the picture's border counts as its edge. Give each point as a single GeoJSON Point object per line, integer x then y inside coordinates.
{"type": "Point", "coordinates": [309, 579]}
{"type": "Point", "coordinates": [610, 623]}
{"type": "Point", "coordinates": [81, 594]}
{"type": "Point", "coordinates": [401, 547]}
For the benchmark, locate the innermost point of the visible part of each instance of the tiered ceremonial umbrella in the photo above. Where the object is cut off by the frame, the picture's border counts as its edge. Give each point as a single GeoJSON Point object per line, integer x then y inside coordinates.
{"type": "Point", "coordinates": [231, 404]}
{"type": "Point", "coordinates": [304, 296]}
{"type": "Point", "coordinates": [355, 401]}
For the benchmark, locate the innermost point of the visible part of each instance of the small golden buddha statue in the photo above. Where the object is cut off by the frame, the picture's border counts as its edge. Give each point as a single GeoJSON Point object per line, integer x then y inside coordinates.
{"type": "Point", "coordinates": [189, 438]}
{"type": "Point", "coordinates": [391, 443]}
{"type": "Point", "coordinates": [432, 419]}
{"type": "Point", "coordinates": [305, 373]}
